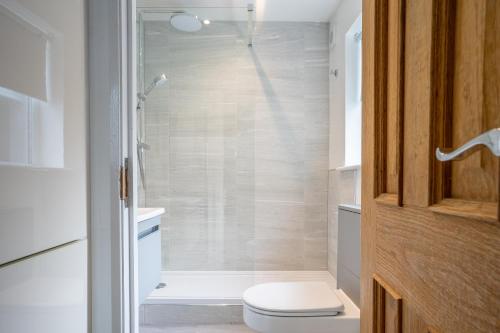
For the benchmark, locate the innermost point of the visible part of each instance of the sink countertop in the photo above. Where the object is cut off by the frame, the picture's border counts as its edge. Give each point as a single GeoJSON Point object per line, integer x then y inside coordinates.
{"type": "Point", "coordinates": [352, 208]}
{"type": "Point", "coordinates": [144, 214]}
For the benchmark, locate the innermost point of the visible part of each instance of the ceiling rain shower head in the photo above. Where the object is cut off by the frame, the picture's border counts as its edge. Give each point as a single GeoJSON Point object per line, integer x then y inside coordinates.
{"type": "Point", "coordinates": [185, 22]}
{"type": "Point", "coordinates": [157, 81]}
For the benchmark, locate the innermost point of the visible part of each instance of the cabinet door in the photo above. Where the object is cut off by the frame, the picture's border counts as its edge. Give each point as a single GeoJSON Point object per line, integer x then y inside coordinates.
{"type": "Point", "coordinates": [46, 293]}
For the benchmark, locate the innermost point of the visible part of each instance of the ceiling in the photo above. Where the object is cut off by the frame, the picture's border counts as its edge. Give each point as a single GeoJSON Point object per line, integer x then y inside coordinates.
{"type": "Point", "coordinates": [235, 10]}
{"type": "Point", "coordinates": [295, 10]}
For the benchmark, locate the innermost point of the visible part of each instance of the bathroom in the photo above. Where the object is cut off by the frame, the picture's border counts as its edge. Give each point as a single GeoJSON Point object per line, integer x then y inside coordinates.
{"type": "Point", "coordinates": [249, 140]}
{"type": "Point", "coordinates": [249, 166]}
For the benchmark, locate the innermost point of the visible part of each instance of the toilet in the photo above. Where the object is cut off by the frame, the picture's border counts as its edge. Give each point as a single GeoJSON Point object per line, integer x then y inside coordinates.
{"type": "Point", "coordinates": [299, 307]}
{"type": "Point", "coordinates": [313, 306]}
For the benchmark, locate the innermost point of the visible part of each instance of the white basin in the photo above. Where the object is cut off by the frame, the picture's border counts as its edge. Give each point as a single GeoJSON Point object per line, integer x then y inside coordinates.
{"type": "Point", "coordinates": [148, 213]}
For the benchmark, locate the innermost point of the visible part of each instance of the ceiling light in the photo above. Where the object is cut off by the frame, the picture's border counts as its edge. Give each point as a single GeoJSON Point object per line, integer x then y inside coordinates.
{"type": "Point", "coordinates": [206, 22]}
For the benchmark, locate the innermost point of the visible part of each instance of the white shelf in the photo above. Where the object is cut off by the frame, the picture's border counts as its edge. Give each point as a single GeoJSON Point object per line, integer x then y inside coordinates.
{"type": "Point", "coordinates": [349, 167]}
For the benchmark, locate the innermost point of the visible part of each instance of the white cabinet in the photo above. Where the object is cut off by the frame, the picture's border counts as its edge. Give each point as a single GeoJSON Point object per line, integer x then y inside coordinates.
{"type": "Point", "coordinates": [349, 251]}
{"type": "Point", "coordinates": [46, 293]}
{"type": "Point", "coordinates": [149, 248]}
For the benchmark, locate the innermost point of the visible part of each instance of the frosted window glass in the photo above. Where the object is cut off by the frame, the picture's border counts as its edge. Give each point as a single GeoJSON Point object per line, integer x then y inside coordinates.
{"type": "Point", "coordinates": [23, 56]}
{"type": "Point", "coordinates": [353, 94]}
{"type": "Point", "coordinates": [14, 127]}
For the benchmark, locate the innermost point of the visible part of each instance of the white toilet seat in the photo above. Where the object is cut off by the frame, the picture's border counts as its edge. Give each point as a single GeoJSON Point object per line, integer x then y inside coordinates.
{"type": "Point", "coordinates": [299, 307]}
{"type": "Point", "coordinates": [293, 299]}
{"type": "Point", "coordinates": [289, 314]}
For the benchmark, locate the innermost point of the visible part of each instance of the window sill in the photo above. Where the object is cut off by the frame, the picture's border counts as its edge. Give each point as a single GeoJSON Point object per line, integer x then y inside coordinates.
{"type": "Point", "coordinates": [354, 167]}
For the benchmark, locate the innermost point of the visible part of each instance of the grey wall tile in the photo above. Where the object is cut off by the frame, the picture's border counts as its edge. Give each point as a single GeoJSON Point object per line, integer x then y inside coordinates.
{"type": "Point", "coordinates": [239, 145]}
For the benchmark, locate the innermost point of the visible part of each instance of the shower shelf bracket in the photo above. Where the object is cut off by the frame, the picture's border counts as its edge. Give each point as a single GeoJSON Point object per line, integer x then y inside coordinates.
{"type": "Point", "coordinates": [250, 9]}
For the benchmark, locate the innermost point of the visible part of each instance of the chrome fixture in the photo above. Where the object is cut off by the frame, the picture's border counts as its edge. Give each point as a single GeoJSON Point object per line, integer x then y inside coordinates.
{"type": "Point", "coordinates": [157, 81]}
{"type": "Point", "coordinates": [185, 22]}
{"type": "Point", "coordinates": [250, 11]}
{"type": "Point", "coordinates": [490, 139]}
{"type": "Point", "coordinates": [141, 145]}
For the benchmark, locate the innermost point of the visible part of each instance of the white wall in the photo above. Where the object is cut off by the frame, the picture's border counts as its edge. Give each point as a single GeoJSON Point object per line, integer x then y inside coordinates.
{"type": "Point", "coordinates": [344, 185]}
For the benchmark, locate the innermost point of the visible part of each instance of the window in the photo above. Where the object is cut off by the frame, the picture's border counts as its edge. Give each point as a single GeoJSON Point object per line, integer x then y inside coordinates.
{"type": "Point", "coordinates": [15, 127]}
{"type": "Point", "coordinates": [353, 81]}
{"type": "Point", "coordinates": [31, 90]}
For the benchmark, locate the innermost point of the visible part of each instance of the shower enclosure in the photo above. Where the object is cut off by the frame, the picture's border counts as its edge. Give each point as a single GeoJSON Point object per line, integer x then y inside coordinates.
{"type": "Point", "coordinates": [237, 143]}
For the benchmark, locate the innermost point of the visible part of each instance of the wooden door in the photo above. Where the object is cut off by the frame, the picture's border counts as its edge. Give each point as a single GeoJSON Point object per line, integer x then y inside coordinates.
{"type": "Point", "coordinates": [430, 230]}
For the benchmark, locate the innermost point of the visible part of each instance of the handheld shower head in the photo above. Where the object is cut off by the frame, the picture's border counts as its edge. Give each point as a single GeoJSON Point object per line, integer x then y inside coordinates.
{"type": "Point", "coordinates": [185, 22]}
{"type": "Point", "coordinates": [157, 81]}
{"type": "Point", "coordinates": [141, 145]}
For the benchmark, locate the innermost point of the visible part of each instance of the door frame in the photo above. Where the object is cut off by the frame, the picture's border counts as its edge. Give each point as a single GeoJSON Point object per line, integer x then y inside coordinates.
{"type": "Point", "coordinates": [112, 95]}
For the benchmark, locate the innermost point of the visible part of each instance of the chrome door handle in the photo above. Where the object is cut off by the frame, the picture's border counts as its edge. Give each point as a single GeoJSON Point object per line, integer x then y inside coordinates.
{"type": "Point", "coordinates": [490, 139]}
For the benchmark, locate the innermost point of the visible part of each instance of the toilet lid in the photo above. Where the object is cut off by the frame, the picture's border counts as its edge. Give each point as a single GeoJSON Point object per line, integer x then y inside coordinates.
{"type": "Point", "coordinates": [291, 298]}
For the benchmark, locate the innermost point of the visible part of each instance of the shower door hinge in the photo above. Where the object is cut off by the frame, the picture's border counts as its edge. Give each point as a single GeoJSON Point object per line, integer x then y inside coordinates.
{"type": "Point", "coordinates": [124, 182]}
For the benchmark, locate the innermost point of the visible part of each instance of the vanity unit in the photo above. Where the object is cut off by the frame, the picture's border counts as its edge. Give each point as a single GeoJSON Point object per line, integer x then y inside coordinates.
{"type": "Point", "coordinates": [149, 248]}
{"type": "Point", "coordinates": [349, 251]}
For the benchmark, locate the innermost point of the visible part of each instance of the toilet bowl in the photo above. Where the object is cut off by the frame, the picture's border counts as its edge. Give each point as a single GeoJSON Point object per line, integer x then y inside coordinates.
{"type": "Point", "coordinates": [299, 307]}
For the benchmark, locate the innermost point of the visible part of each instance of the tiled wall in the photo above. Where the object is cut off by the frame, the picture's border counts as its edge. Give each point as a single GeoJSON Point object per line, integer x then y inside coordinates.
{"type": "Point", "coordinates": [239, 141]}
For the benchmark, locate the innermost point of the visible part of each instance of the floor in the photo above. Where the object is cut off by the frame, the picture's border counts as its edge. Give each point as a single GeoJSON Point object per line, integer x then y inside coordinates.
{"type": "Point", "coordinates": [199, 329]}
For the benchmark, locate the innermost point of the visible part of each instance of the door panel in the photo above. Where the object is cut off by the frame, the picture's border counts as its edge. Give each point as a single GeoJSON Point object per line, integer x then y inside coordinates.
{"type": "Point", "coordinates": [416, 105]}
{"type": "Point", "coordinates": [464, 105]}
{"type": "Point", "coordinates": [475, 106]}
{"type": "Point", "coordinates": [389, 61]}
{"type": "Point", "coordinates": [434, 239]}
{"type": "Point", "coordinates": [387, 311]}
